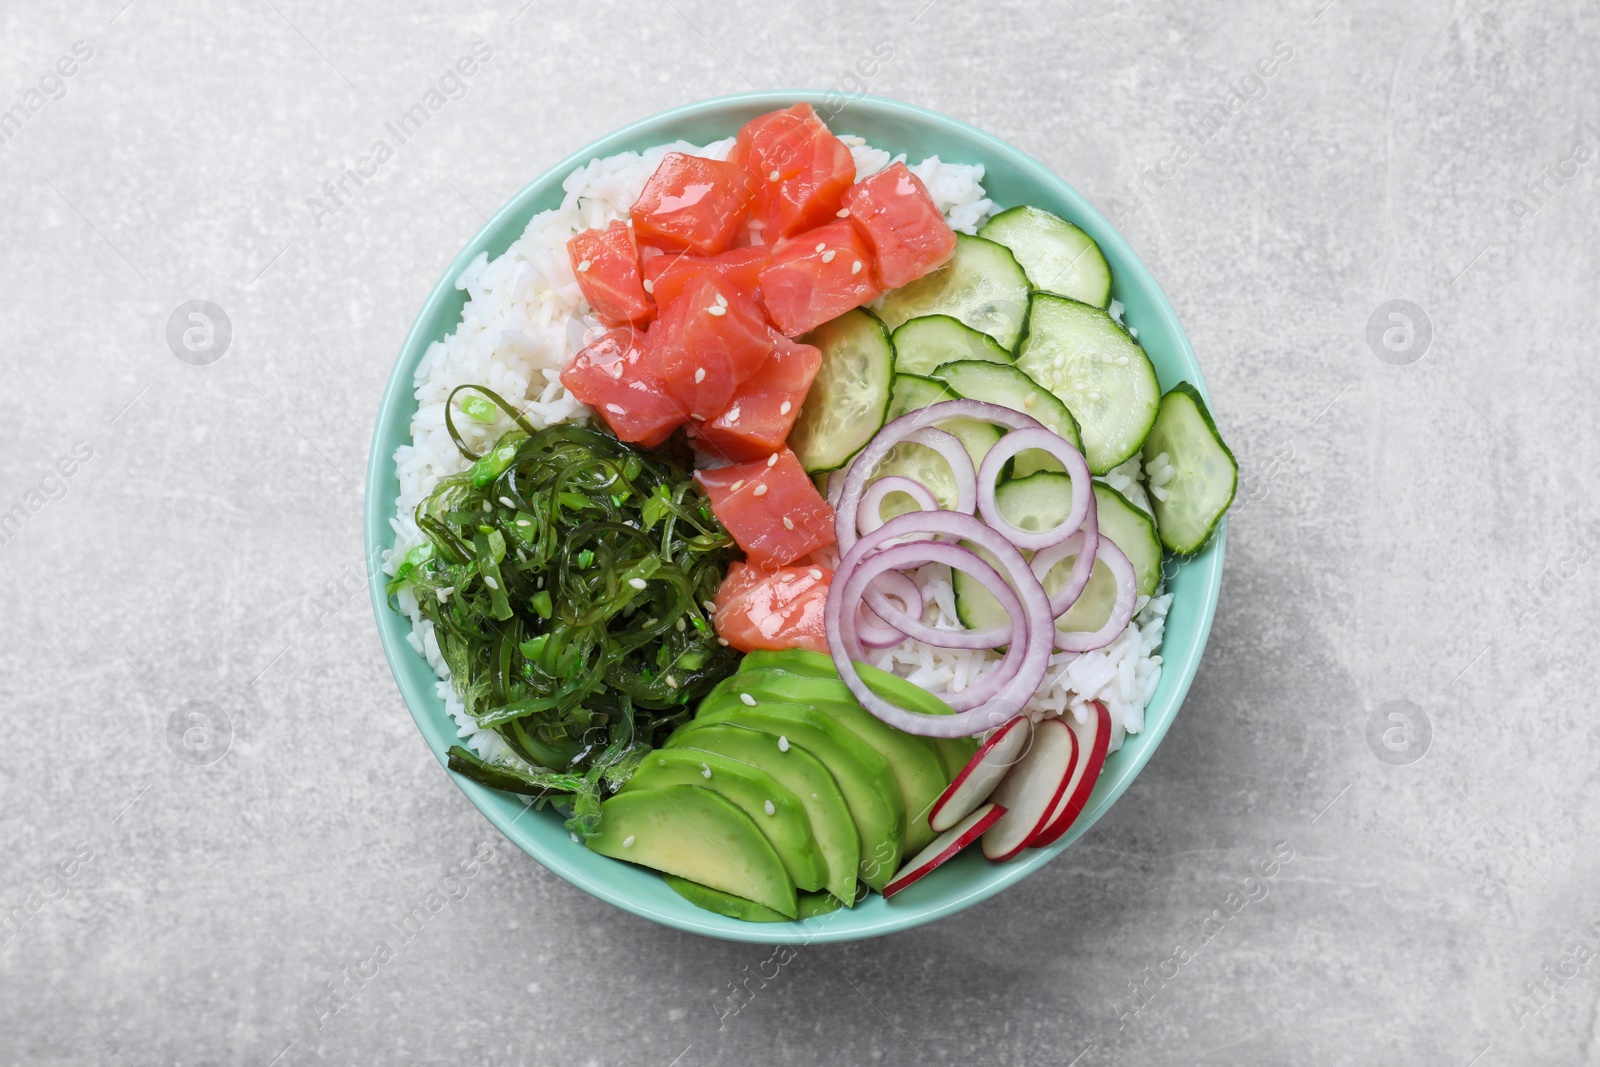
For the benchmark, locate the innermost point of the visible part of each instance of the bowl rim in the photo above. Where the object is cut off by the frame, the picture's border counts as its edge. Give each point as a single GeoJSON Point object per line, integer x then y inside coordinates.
{"type": "Point", "coordinates": [424, 705]}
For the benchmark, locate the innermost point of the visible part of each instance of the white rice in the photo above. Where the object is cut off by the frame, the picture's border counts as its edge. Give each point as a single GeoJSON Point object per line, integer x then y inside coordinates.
{"type": "Point", "coordinates": [525, 317]}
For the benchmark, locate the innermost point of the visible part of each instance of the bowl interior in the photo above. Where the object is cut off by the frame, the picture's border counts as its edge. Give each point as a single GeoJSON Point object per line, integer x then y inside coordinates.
{"type": "Point", "coordinates": [1011, 178]}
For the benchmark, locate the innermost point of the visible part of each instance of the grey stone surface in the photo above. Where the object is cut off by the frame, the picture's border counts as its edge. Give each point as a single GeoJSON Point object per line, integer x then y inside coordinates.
{"type": "Point", "coordinates": [1416, 527]}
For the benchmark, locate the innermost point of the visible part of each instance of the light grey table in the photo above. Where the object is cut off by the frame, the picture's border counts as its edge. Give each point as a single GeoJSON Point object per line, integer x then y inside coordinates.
{"type": "Point", "coordinates": [1416, 526]}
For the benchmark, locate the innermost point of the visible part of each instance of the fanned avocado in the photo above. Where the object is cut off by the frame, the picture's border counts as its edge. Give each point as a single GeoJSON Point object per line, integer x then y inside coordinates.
{"type": "Point", "coordinates": [798, 771]}
{"type": "Point", "coordinates": [864, 777]}
{"type": "Point", "coordinates": [699, 835]}
{"type": "Point", "coordinates": [915, 761]}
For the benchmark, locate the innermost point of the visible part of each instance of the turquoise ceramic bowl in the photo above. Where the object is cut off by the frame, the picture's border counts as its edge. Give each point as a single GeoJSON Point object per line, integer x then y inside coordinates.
{"type": "Point", "coordinates": [1011, 178]}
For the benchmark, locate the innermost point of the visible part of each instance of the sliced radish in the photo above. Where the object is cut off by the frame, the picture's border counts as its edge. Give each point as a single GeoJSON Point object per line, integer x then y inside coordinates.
{"type": "Point", "coordinates": [1031, 789]}
{"type": "Point", "coordinates": [945, 846]}
{"type": "Point", "coordinates": [982, 773]}
{"type": "Point", "coordinates": [1093, 737]}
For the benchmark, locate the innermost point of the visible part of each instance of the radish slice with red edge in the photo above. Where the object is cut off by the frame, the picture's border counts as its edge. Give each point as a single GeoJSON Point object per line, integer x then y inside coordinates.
{"type": "Point", "coordinates": [944, 847]}
{"type": "Point", "coordinates": [973, 783]}
{"type": "Point", "coordinates": [1094, 737]}
{"type": "Point", "coordinates": [1030, 791]}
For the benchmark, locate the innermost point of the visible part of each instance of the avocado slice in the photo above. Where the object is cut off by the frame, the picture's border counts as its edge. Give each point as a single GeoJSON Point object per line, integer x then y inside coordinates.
{"type": "Point", "coordinates": [809, 905]}
{"type": "Point", "coordinates": [954, 751]}
{"type": "Point", "coordinates": [776, 811]}
{"type": "Point", "coordinates": [915, 761]}
{"type": "Point", "coordinates": [803, 775]}
{"type": "Point", "coordinates": [696, 834]}
{"type": "Point", "coordinates": [864, 777]}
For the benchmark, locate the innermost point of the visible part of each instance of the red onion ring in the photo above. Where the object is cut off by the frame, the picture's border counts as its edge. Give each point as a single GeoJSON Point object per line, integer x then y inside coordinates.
{"type": "Point", "coordinates": [1083, 544]}
{"type": "Point", "coordinates": [1121, 609]}
{"type": "Point", "coordinates": [866, 462]}
{"type": "Point", "coordinates": [1000, 694]}
{"type": "Point", "coordinates": [1077, 469]}
{"type": "Point", "coordinates": [870, 515]}
{"type": "Point", "coordinates": [872, 631]}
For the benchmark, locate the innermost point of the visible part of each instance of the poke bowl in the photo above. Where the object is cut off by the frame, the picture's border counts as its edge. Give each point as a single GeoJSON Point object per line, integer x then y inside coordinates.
{"type": "Point", "coordinates": [985, 602]}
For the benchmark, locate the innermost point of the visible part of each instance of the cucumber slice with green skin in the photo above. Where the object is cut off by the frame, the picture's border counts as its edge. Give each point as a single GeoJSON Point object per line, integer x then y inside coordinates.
{"type": "Point", "coordinates": [1205, 477]}
{"type": "Point", "coordinates": [955, 751]}
{"type": "Point", "coordinates": [1057, 256]}
{"type": "Point", "coordinates": [849, 397]}
{"type": "Point", "coordinates": [1041, 501]}
{"type": "Point", "coordinates": [913, 392]}
{"type": "Point", "coordinates": [1011, 388]}
{"type": "Point", "coordinates": [983, 286]}
{"type": "Point", "coordinates": [1081, 355]}
{"type": "Point", "coordinates": [922, 344]}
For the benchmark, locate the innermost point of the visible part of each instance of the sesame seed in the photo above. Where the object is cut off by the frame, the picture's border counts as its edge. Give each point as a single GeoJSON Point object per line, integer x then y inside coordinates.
{"type": "Point", "coordinates": [827, 257]}
{"type": "Point", "coordinates": [716, 309]}
{"type": "Point", "coordinates": [705, 772]}
{"type": "Point", "coordinates": [774, 176]}
{"type": "Point", "coordinates": [738, 485]}
{"type": "Point", "coordinates": [524, 522]}
{"type": "Point", "coordinates": [1094, 394]}
{"type": "Point", "coordinates": [723, 641]}
{"type": "Point", "coordinates": [627, 842]}
{"type": "Point", "coordinates": [637, 583]}
{"type": "Point", "coordinates": [760, 490]}
{"type": "Point", "coordinates": [844, 213]}
{"type": "Point", "coordinates": [649, 286]}
{"type": "Point", "coordinates": [785, 407]}
{"type": "Point", "coordinates": [1122, 361]}
{"type": "Point", "coordinates": [816, 574]}
{"type": "Point", "coordinates": [733, 416]}
{"type": "Point", "coordinates": [722, 301]}
{"type": "Point", "coordinates": [772, 460]}
{"type": "Point", "coordinates": [1059, 362]}
{"type": "Point", "coordinates": [855, 268]}
{"type": "Point", "coordinates": [788, 523]}
{"type": "Point", "coordinates": [584, 266]}
{"type": "Point", "coordinates": [616, 409]}
{"type": "Point", "coordinates": [699, 375]}
{"type": "Point", "coordinates": [697, 417]}
{"type": "Point", "coordinates": [1028, 401]}
{"type": "Point", "coordinates": [749, 701]}
{"type": "Point", "coordinates": [771, 810]}
{"type": "Point", "coordinates": [507, 502]}
{"type": "Point", "coordinates": [616, 370]}
{"type": "Point", "coordinates": [673, 683]}
{"type": "Point", "coordinates": [787, 578]}
{"type": "Point", "coordinates": [681, 624]}
{"type": "Point", "coordinates": [783, 743]}
{"type": "Point", "coordinates": [488, 580]}
{"type": "Point", "coordinates": [708, 605]}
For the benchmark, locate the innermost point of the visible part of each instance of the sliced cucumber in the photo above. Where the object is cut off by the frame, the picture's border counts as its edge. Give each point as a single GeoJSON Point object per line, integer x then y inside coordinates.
{"type": "Point", "coordinates": [1082, 356]}
{"type": "Point", "coordinates": [1041, 501]}
{"type": "Point", "coordinates": [1133, 530]}
{"type": "Point", "coordinates": [921, 463]}
{"type": "Point", "coordinates": [982, 286]}
{"type": "Point", "coordinates": [922, 344]}
{"type": "Point", "coordinates": [1003, 384]}
{"type": "Point", "coordinates": [849, 397]}
{"type": "Point", "coordinates": [1057, 256]}
{"type": "Point", "coordinates": [1191, 503]}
